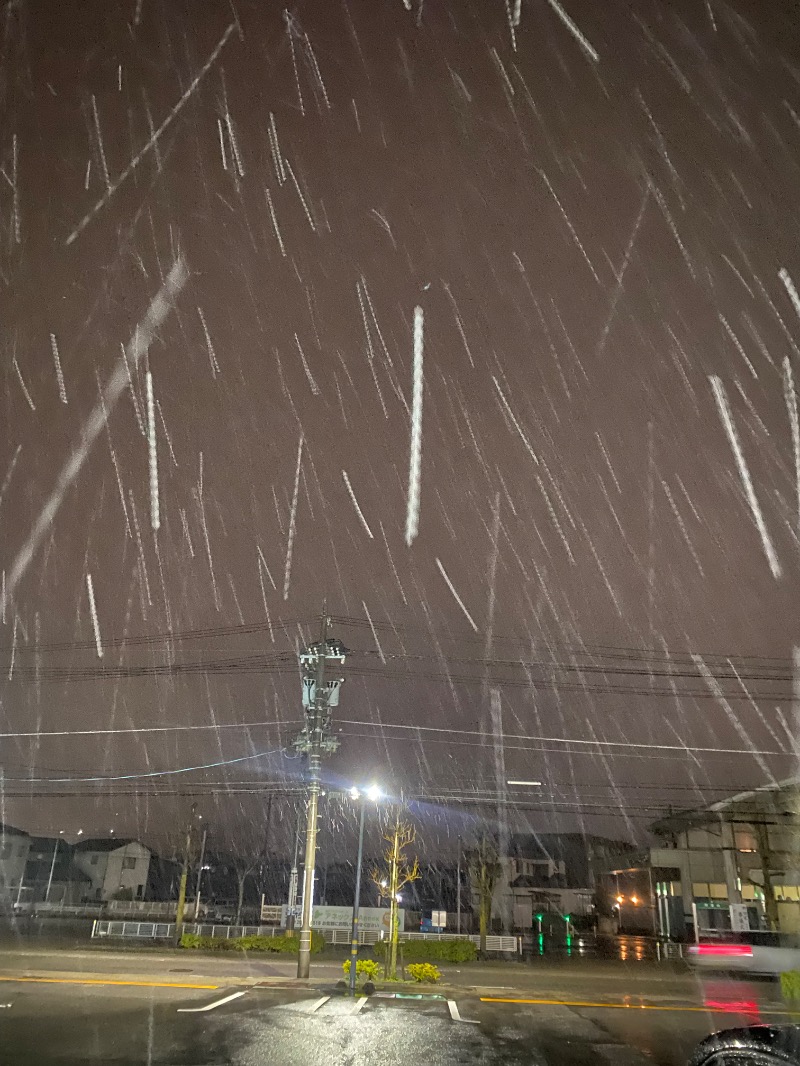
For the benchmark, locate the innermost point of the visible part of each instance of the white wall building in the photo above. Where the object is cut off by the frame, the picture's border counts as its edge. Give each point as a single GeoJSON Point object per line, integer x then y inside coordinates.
{"type": "Point", "coordinates": [114, 867]}
{"type": "Point", "coordinates": [14, 847]}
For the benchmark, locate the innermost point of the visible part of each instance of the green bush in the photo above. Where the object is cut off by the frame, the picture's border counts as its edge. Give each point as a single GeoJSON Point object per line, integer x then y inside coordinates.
{"type": "Point", "coordinates": [790, 984]}
{"type": "Point", "coordinates": [431, 950]}
{"type": "Point", "coordinates": [366, 968]}
{"type": "Point", "coordinates": [289, 945]}
{"type": "Point", "coordinates": [424, 971]}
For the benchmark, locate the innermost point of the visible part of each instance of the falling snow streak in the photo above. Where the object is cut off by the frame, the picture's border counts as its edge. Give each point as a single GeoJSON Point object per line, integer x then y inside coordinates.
{"type": "Point", "coordinates": [456, 596]}
{"type": "Point", "coordinates": [212, 355]}
{"type": "Point", "coordinates": [744, 473]}
{"type": "Point", "coordinates": [134, 163]}
{"type": "Point", "coordinates": [137, 346]}
{"type": "Point", "coordinates": [619, 287]}
{"type": "Point", "coordinates": [514, 422]}
{"type": "Point", "coordinates": [791, 406]}
{"type": "Point", "coordinates": [62, 392]}
{"type": "Point", "coordinates": [415, 460]}
{"type": "Point", "coordinates": [274, 218]}
{"type": "Point", "coordinates": [359, 512]}
{"type": "Point", "coordinates": [152, 455]}
{"type": "Point", "coordinates": [573, 29]}
{"type": "Point", "coordinates": [24, 387]}
{"type": "Point", "coordinates": [714, 687]}
{"type": "Point", "coordinates": [287, 571]}
{"type": "Point", "coordinates": [570, 227]}
{"type": "Point", "coordinates": [9, 472]}
{"type": "Point", "coordinates": [93, 612]}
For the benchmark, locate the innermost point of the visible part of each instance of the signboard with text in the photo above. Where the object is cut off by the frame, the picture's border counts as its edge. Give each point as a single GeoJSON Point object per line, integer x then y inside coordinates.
{"type": "Point", "coordinates": [370, 919]}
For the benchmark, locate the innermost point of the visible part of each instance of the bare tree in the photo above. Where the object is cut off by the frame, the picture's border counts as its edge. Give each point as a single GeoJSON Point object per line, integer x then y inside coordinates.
{"type": "Point", "coordinates": [399, 871]}
{"type": "Point", "coordinates": [485, 869]}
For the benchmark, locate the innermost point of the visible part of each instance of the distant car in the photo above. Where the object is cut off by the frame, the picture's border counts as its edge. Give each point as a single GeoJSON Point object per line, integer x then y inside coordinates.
{"type": "Point", "coordinates": [755, 1045]}
{"type": "Point", "coordinates": [755, 952]}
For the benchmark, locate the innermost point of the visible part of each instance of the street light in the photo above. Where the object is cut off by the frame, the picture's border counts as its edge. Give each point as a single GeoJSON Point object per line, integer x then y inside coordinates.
{"type": "Point", "coordinates": [373, 795]}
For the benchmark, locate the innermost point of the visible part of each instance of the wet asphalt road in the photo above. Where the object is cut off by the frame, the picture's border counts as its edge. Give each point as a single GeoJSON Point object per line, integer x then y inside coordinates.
{"type": "Point", "coordinates": [67, 1024]}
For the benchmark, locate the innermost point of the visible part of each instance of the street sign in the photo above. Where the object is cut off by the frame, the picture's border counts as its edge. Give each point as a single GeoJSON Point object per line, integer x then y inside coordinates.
{"type": "Point", "coordinates": [439, 919]}
{"type": "Point", "coordinates": [740, 919]}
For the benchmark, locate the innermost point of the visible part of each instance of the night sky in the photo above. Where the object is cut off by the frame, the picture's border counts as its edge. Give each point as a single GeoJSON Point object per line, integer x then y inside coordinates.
{"type": "Point", "coordinates": [595, 208]}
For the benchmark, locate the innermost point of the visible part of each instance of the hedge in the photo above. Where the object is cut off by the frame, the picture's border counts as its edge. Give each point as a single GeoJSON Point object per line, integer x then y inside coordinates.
{"type": "Point", "coordinates": [427, 950]}
{"type": "Point", "coordinates": [278, 944]}
{"type": "Point", "coordinates": [790, 984]}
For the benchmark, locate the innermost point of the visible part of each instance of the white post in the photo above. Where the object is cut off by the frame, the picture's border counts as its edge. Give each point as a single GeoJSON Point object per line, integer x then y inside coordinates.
{"type": "Point", "coordinates": [52, 867]}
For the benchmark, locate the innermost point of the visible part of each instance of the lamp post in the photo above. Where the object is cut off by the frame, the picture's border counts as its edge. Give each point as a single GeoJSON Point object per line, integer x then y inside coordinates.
{"type": "Point", "coordinates": [373, 793]}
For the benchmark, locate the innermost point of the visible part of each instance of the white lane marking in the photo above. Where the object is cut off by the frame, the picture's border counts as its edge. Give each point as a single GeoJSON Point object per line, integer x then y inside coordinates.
{"type": "Point", "coordinates": [210, 1006]}
{"type": "Point", "coordinates": [317, 1004]}
{"type": "Point", "coordinates": [451, 1003]}
{"type": "Point", "coordinates": [359, 1005]}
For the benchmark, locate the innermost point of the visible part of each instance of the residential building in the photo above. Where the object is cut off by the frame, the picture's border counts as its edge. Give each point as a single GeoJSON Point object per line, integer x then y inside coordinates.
{"type": "Point", "coordinates": [117, 869]}
{"type": "Point", "coordinates": [51, 875]}
{"type": "Point", "coordinates": [14, 847]}
{"type": "Point", "coordinates": [549, 872]}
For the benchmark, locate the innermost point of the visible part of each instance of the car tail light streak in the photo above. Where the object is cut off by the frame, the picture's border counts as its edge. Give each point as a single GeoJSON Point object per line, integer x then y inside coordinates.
{"type": "Point", "coordinates": [727, 950]}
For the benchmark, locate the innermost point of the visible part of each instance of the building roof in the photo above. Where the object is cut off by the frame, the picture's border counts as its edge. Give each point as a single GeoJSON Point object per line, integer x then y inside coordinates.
{"type": "Point", "coordinates": [104, 843]}
{"type": "Point", "coordinates": [773, 803]}
{"type": "Point", "coordinates": [12, 831]}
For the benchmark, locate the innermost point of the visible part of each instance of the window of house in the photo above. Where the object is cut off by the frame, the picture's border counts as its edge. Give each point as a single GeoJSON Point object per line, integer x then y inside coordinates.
{"type": "Point", "coordinates": [700, 889]}
{"type": "Point", "coordinates": [128, 864]}
{"type": "Point", "coordinates": [718, 891]}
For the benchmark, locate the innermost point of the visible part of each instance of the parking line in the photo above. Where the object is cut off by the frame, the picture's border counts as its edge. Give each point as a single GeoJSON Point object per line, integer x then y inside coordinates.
{"type": "Point", "coordinates": [618, 1006]}
{"type": "Point", "coordinates": [451, 1003]}
{"type": "Point", "coordinates": [211, 1006]}
{"type": "Point", "coordinates": [91, 981]}
{"type": "Point", "coordinates": [317, 1004]}
{"type": "Point", "coordinates": [359, 1005]}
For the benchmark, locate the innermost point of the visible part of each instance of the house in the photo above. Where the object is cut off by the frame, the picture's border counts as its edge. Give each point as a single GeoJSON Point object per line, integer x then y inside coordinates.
{"type": "Point", "coordinates": [14, 847]}
{"type": "Point", "coordinates": [549, 873]}
{"type": "Point", "coordinates": [116, 868]}
{"type": "Point", "coordinates": [51, 875]}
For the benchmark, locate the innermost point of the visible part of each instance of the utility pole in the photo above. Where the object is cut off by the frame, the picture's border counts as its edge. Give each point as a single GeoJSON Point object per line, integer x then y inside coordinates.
{"type": "Point", "coordinates": [200, 875]}
{"type": "Point", "coordinates": [184, 876]}
{"type": "Point", "coordinates": [318, 698]}
{"type": "Point", "coordinates": [290, 910]}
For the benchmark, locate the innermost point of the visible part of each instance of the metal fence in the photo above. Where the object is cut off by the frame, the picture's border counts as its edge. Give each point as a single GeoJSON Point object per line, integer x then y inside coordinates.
{"type": "Point", "coordinates": [166, 930]}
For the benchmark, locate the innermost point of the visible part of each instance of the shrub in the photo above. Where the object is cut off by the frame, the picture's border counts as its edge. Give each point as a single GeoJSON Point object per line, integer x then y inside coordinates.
{"type": "Point", "coordinates": [424, 972]}
{"type": "Point", "coordinates": [431, 950]}
{"type": "Point", "coordinates": [277, 944]}
{"type": "Point", "coordinates": [367, 968]}
{"type": "Point", "coordinates": [790, 984]}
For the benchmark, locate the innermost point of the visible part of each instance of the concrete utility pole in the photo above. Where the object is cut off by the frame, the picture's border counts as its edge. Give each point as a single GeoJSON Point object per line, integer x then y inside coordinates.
{"type": "Point", "coordinates": [293, 878]}
{"type": "Point", "coordinates": [184, 876]}
{"type": "Point", "coordinates": [318, 698]}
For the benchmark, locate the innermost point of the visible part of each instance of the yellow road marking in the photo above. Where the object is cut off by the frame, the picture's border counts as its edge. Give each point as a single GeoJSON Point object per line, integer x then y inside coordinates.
{"type": "Point", "coordinates": [91, 981]}
{"type": "Point", "coordinates": [627, 1006]}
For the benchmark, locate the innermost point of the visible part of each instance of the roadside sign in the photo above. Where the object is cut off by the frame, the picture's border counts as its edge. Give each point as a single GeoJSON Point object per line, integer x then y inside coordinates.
{"type": "Point", "coordinates": [439, 919]}
{"type": "Point", "coordinates": [740, 919]}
